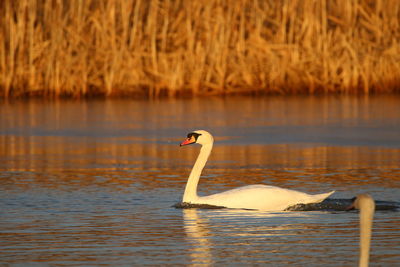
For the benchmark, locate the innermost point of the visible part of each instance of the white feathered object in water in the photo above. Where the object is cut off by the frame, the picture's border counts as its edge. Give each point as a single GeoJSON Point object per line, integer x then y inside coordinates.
{"type": "Point", "coordinates": [258, 197]}
{"type": "Point", "coordinates": [366, 204]}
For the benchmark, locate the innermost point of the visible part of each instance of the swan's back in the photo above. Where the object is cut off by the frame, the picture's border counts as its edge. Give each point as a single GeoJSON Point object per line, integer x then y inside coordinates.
{"type": "Point", "coordinates": [262, 197]}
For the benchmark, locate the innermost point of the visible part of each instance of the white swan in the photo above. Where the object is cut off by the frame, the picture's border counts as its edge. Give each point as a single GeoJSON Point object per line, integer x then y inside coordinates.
{"type": "Point", "coordinates": [258, 197]}
{"type": "Point", "coordinates": [366, 204]}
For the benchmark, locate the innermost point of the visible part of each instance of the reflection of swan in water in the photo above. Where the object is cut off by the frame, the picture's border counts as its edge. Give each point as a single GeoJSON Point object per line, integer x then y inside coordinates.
{"type": "Point", "coordinates": [198, 234]}
{"type": "Point", "coordinates": [203, 226]}
{"type": "Point", "coordinates": [259, 197]}
{"type": "Point", "coordinates": [366, 204]}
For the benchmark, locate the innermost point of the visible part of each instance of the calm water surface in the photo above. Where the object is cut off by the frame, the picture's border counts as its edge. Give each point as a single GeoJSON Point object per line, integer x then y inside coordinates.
{"type": "Point", "coordinates": [93, 182]}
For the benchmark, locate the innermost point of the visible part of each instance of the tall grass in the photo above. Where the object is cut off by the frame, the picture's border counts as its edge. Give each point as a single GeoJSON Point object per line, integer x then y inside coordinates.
{"type": "Point", "coordinates": [173, 47]}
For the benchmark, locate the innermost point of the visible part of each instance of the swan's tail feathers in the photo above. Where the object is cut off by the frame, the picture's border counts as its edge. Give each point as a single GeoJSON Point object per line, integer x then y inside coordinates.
{"type": "Point", "coordinates": [321, 197]}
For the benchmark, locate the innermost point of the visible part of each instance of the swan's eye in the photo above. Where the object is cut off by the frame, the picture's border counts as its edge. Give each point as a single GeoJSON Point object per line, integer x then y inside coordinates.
{"type": "Point", "coordinates": [193, 135]}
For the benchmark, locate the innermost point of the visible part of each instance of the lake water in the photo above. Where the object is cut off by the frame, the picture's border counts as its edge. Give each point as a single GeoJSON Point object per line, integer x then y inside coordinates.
{"type": "Point", "coordinates": [91, 183]}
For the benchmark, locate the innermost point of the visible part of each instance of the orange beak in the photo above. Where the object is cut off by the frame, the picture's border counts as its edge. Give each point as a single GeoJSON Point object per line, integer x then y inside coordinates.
{"type": "Point", "coordinates": [188, 141]}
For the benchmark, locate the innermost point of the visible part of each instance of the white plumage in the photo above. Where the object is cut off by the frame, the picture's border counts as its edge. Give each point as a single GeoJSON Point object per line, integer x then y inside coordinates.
{"type": "Point", "coordinates": [258, 197]}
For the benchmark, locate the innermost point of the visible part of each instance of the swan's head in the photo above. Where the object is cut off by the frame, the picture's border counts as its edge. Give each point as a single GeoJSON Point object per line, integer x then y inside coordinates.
{"type": "Point", "coordinates": [198, 137]}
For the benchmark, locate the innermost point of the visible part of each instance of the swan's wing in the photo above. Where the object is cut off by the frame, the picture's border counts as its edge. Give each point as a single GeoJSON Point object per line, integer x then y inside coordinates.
{"type": "Point", "coordinates": [261, 197]}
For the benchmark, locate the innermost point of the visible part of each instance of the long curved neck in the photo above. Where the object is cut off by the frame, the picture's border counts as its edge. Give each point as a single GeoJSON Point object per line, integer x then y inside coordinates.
{"type": "Point", "coordinates": [367, 208]}
{"type": "Point", "coordinates": [193, 180]}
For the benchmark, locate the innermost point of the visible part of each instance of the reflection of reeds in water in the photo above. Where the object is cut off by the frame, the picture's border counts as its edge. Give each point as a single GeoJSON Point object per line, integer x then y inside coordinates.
{"type": "Point", "coordinates": [52, 152]}
{"type": "Point", "coordinates": [198, 47]}
{"type": "Point", "coordinates": [51, 163]}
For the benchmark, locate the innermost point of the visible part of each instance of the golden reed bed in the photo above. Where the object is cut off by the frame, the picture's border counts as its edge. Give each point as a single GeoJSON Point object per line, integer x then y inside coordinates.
{"type": "Point", "coordinates": [183, 47]}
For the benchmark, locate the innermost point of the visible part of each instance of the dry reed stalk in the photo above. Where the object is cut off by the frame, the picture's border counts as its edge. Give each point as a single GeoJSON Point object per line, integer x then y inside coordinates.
{"type": "Point", "coordinates": [171, 47]}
